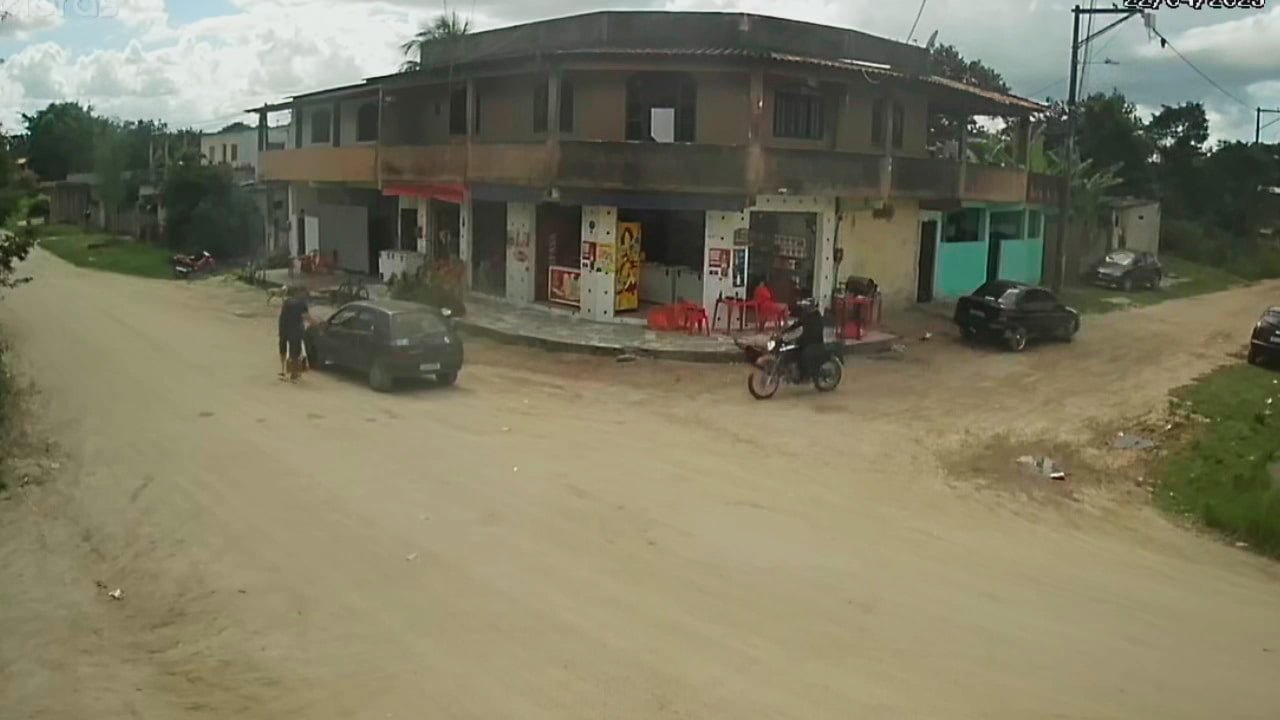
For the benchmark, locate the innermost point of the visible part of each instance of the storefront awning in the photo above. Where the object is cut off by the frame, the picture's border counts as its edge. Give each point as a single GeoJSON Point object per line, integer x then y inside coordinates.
{"type": "Point", "coordinates": [654, 201]}
{"type": "Point", "coordinates": [456, 194]}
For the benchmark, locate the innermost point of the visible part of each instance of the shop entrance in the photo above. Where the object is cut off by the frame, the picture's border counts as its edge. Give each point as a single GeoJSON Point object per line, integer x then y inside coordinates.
{"type": "Point", "coordinates": [558, 247]}
{"type": "Point", "coordinates": [783, 248]}
{"type": "Point", "coordinates": [444, 223]}
{"type": "Point", "coordinates": [489, 247]}
{"type": "Point", "coordinates": [671, 251]}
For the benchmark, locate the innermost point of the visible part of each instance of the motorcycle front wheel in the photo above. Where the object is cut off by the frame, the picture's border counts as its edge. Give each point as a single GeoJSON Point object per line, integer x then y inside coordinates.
{"type": "Point", "coordinates": [829, 375]}
{"type": "Point", "coordinates": [764, 381]}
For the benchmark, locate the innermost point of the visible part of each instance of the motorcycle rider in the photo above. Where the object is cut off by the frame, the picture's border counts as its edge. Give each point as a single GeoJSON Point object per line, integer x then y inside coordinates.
{"type": "Point", "coordinates": [812, 340]}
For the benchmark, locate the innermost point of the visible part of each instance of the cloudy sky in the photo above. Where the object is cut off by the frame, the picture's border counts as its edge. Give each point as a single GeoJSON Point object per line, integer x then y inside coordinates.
{"type": "Point", "coordinates": [199, 62]}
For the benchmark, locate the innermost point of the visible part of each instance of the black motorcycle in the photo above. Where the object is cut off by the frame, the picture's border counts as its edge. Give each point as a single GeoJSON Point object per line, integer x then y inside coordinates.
{"type": "Point", "coordinates": [778, 361]}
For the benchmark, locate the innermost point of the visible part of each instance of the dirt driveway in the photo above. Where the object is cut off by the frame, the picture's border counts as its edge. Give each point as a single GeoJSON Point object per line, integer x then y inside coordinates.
{"type": "Point", "coordinates": [566, 537]}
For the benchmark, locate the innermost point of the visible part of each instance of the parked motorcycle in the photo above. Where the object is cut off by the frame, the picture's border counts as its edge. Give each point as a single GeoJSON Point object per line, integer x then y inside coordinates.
{"type": "Point", "coordinates": [777, 361]}
{"type": "Point", "coordinates": [185, 266]}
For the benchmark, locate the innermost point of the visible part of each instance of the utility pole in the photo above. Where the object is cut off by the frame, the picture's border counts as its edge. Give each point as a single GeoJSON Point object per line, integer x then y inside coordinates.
{"type": "Point", "coordinates": [1257, 127]}
{"type": "Point", "coordinates": [1064, 203]}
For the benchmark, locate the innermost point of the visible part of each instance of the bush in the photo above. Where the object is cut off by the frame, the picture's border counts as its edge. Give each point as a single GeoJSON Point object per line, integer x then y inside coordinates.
{"type": "Point", "coordinates": [206, 211]}
{"type": "Point", "coordinates": [1207, 245]}
{"type": "Point", "coordinates": [439, 286]}
{"type": "Point", "coordinates": [39, 208]}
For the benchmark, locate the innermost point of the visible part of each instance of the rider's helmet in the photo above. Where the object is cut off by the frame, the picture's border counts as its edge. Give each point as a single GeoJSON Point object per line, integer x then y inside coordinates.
{"type": "Point", "coordinates": [804, 307]}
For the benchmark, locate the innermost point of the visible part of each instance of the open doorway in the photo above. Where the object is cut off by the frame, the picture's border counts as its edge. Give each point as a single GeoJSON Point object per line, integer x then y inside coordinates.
{"type": "Point", "coordinates": [558, 245]}
{"type": "Point", "coordinates": [489, 247]}
{"type": "Point", "coordinates": [783, 254]}
{"type": "Point", "coordinates": [671, 251]}
{"type": "Point", "coordinates": [930, 228]}
{"type": "Point", "coordinates": [445, 225]}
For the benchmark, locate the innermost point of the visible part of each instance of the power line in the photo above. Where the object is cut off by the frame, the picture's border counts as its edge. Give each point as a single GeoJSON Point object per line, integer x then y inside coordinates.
{"type": "Point", "coordinates": [1165, 42]}
{"type": "Point", "coordinates": [916, 22]}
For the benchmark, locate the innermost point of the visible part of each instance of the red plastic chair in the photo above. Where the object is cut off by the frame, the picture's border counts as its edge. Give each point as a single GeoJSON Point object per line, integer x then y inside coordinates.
{"type": "Point", "coordinates": [697, 322]}
{"type": "Point", "coordinates": [773, 313]}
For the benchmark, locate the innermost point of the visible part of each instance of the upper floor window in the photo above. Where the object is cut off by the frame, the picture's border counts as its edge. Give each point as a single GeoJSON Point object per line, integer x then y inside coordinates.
{"type": "Point", "coordinates": [458, 112]}
{"type": "Point", "coordinates": [798, 114]}
{"type": "Point", "coordinates": [661, 107]}
{"type": "Point", "coordinates": [321, 122]}
{"type": "Point", "coordinates": [541, 107]}
{"type": "Point", "coordinates": [367, 122]}
{"type": "Point", "coordinates": [898, 121]}
{"type": "Point", "coordinates": [235, 153]}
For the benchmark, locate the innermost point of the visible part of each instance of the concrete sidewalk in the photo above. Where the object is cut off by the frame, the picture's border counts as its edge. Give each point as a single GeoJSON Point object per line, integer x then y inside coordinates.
{"type": "Point", "coordinates": [565, 331]}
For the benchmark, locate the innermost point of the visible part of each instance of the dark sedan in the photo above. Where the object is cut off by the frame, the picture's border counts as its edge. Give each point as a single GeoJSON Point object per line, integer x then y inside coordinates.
{"type": "Point", "coordinates": [1014, 313]}
{"type": "Point", "coordinates": [389, 340]}
{"type": "Point", "coordinates": [1264, 344]}
{"type": "Point", "coordinates": [1127, 269]}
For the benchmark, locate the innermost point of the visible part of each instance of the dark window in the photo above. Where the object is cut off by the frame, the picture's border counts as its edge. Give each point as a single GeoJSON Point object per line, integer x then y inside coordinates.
{"type": "Point", "coordinates": [962, 226]}
{"type": "Point", "coordinates": [1006, 225]}
{"type": "Point", "coordinates": [566, 107]}
{"type": "Point", "coordinates": [1035, 224]}
{"type": "Point", "coordinates": [297, 129]}
{"type": "Point", "coordinates": [235, 153]}
{"type": "Point", "coordinates": [798, 115]}
{"type": "Point", "coordinates": [320, 126]}
{"type": "Point", "coordinates": [337, 125]}
{"type": "Point", "coordinates": [877, 122]}
{"type": "Point", "coordinates": [458, 112]}
{"type": "Point", "coordinates": [415, 325]}
{"type": "Point", "coordinates": [668, 98]}
{"type": "Point", "coordinates": [343, 317]}
{"type": "Point", "coordinates": [1038, 300]}
{"type": "Point", "coordinates": [367, 122]}
{"type": "Point", "coordinates": [540, 107]}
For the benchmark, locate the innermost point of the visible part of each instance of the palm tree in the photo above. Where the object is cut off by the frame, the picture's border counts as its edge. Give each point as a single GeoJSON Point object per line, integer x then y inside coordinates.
{"type": "Point", "coordinates": [435, 38]}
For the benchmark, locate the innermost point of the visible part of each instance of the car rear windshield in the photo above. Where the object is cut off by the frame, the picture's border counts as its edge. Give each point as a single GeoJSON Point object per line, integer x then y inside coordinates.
{"type": "Point", "coordinates": [1121, 258]}
{"type": "Point", "coordinates": [1002, 294]}
{"type": "Point", "coordinates": [416, 324]}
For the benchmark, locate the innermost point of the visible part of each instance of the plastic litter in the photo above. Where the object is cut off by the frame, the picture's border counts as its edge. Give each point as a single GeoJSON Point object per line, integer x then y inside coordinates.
{"type": "Point", "coordinates": [1132, 442]}
{"type": "Point", "coordinates": [116, 594]}
{"type": "Point", "coordinates": [1043, 466]}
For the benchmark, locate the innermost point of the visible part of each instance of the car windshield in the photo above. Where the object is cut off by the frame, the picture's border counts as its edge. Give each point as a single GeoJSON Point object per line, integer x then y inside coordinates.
{"type": "Point", "coordinates": [1122, 258]}
{"type": "Point", "coordinates": [1272, 316]}
{"type": "Point", "coordinates": [416, 324]}
{"type": "Point", "coordinates": [1004, 295]}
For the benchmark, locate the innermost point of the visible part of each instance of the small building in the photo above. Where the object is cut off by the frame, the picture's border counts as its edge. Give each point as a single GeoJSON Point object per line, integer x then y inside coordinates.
{"type": "Point", "coordinates": [1135, 225]}
{"type": "Point", "coordinates": [237, 147]}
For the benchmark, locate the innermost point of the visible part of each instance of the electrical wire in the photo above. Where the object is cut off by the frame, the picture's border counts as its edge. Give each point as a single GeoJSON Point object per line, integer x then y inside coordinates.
{"type": "Point", "coordinates": [1199, 72]}
{"type": "Point", "coordinates": [1088, 50]}
{"type": "Point", "coordinates": [916, 22]}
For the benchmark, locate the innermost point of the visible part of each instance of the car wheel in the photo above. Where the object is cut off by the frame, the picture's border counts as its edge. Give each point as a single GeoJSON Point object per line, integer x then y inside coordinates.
{"type": "Point", "coordinates": [968, 334]}
{"type": "Point", "coordinates": [1069, 331]}
{"type": "Point", "coordinates": [1127, 284]}
{"type": "Point", "coordinates": [1155, 282]}
{"type": "Point", "coordinates": [1255, 356]}
{"type": "Point", "coordinates": [379, 377]}
{"type": "Point", "coordinates": [314, 359]}
{"type": "Point", "coordinates": [1017, 339]}
{"type": "Point", "coordinates": [447, 378]}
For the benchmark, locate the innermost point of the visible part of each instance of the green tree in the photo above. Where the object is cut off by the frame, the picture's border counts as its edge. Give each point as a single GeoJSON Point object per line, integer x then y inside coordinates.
{"type": "Point", "coordinates": [436, 43]}
{"type": "Point", "coordinates": [1110, 133]}
{"type": "Point", "coordinates": [111, 169]}
{"type": "Point", "coordinates": [60, 139]}
{"type": "Point", "coordinates": [947, 62]}
{"type": "Point", "coordinates": [13, 250]}
{"type": "Point", "coordinates": [205, 210]}
{"type": "Point", "coordinates": [1179, 134]}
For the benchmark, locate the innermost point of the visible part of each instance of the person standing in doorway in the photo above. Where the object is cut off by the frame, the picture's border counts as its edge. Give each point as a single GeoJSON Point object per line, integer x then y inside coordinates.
{"type": "Point", "coordinates": [295, 318]}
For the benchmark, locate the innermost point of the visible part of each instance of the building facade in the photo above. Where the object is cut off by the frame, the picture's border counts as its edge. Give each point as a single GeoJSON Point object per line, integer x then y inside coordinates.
{"type": "Point", "coordinates": [613, 160]}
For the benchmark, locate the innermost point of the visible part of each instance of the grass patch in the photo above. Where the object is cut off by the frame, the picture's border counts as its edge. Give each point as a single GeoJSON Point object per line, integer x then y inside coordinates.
{"type": "Point", "coordinates": [106, 252]}
{"type": "Point", "coordinates": [1188, 279]}
{"type": "Point", "coordinates": [1227, 472]}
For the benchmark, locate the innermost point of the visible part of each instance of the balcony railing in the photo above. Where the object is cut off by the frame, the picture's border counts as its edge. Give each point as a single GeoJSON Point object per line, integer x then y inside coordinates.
{"type": "Point", "coordinates": [653, 166]}
{"type": "Point", "coordinates": [664, 167]}
{"type": "Point", "coordinates": [321, 164]}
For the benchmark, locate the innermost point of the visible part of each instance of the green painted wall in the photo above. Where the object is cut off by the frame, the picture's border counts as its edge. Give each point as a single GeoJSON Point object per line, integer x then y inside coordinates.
{"type": "Point", "coordinates": [962, 266]}
{"type": "Point", "coordinates": [1021, 260]}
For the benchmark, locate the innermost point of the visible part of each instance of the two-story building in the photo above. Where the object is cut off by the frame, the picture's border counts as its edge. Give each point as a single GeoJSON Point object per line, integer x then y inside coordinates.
{"type": "Point", "coordinates": [615, 159]}
{"type": "Point", "coordinates": [240, 149]}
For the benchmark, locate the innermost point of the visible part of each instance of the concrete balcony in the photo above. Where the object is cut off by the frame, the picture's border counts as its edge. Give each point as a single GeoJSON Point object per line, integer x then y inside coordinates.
{"type": "Point", "coordinates": [654, 167]}
{"type": "Point", "coordinates": [821, 172]}
{"type": "Point", "coordinates": [321, 164]}
{"type": "Point", "coordinates": [994, 184]}
{"type": "Point", "coordinates": [925, 178]}
{"type": "Point", "coordinates": [424, 163]}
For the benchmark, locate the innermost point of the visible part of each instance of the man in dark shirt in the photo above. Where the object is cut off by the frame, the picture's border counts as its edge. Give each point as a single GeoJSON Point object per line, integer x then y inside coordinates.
{"type": "Point", "coordinates": [295, 316]}
{"type": "Point", "coordinates": [812, 340]}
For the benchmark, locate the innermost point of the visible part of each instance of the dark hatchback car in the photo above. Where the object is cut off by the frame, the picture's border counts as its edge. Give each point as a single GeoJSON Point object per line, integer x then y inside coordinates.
{"type": "Point", "coordinates": [1014, 313]}
{"type": "Point", "coordinates": [1264, 344]}
{"type": "Point", "coordinates": [1127, 270]}
{"type": "Point", "coordinates": [389, 340]}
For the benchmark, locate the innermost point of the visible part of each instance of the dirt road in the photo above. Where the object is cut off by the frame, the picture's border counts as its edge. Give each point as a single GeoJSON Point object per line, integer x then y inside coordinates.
{"type": "Point", "coordinates": [565, 537]}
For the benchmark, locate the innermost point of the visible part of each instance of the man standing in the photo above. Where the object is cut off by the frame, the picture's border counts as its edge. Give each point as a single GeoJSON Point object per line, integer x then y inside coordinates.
{"type": "Point", "coordinates": [295, 317]}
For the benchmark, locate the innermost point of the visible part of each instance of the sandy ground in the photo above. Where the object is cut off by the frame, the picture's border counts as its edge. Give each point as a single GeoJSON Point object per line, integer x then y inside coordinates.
{"type": "Point", "coordinates": [567, 537]}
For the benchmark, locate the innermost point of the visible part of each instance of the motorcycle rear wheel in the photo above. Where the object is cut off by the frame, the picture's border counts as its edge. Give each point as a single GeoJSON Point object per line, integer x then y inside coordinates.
{"type": "Point", "coordinates": [763, 383]}
{"type": "Point", "coordinates": [829, 375]}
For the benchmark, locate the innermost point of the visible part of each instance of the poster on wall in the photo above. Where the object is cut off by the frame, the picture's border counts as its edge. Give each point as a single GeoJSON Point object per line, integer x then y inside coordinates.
{"type": "Point", "coordinates": [588, 255]}
{"type": "Point", "coordinates": [718, 261]}
{"type": "Point", "coordinates": [563, 285]}
{"type": "Point", "coordinates": [604, 258]}
{"type": "Point", "coordinates": [739, 267]}
{"type": "Point", "coordinates": [627, 279]}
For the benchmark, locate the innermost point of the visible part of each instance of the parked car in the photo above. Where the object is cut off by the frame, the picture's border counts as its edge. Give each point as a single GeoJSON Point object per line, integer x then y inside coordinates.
{"type": "Point", "coordinates": [1015, 313]}
{"type": "Point", "coordinates": [1264, 344]}
{"type": "Point", "coordinates": [389, 340]}
{"type": "Point", "coordinates": [1127, 269]}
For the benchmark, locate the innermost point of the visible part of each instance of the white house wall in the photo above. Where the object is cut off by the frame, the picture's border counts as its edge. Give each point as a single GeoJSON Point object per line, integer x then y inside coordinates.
{"type": "Point", "coordinates": [885, 250]}
{"type": "Point", "coordinates": [521, 226]}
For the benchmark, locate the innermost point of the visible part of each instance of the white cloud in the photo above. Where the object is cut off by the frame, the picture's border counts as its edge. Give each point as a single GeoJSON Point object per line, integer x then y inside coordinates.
{"type": "Point", "coordinates": [23, 18]}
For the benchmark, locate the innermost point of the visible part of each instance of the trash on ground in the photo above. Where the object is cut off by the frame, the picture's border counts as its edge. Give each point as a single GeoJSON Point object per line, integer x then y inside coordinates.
{"type": "Point", "coordinates": [626, 358]}
{"type": "Point", "coordinates": [927, 336]}
{"type": "Point", "coordinates": [411, 557]}
{"type": "Point", "coordinates": [1121, 301]}
{"type": "Point", "coordinates": [1044, 466]}
{"type": "Point", "coordinates": [898, 348]}
{"type": "Point", "coordinates": [1242, 544]}
{"type": "Point", "coordinates": [116, 594]}
{"type": "Point", "coordinates": [515, 469]}
{"type": "Point", "coordinates": [1125, 441]}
